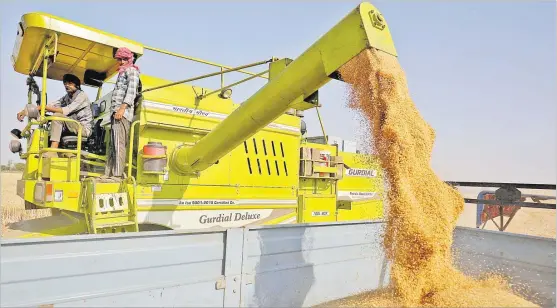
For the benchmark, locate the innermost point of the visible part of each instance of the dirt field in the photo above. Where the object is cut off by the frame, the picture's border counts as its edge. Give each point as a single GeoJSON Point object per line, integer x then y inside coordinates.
{"type": "Point", "coordinates": [537, 222]}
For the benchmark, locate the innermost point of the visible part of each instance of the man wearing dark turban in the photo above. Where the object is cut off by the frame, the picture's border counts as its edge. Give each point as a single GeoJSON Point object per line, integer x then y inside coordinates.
{"type": "Point", "coordinates": [74, 105]}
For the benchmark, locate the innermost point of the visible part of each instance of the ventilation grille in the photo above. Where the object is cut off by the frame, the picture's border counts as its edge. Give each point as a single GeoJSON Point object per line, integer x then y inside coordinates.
{"type": "Point", "coordinates": [265, 158]}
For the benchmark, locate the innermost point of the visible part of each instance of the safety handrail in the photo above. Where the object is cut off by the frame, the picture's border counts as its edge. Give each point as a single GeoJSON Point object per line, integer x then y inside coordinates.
{"type": "Point", "coordinates": [130, 150]}
{"type": "Point", "coordinates": [77, 151]}
{"type": "Point", "coordinates": [234, 69]}
{"type": "Point", "coordinates": [28, 126]}
{"type": "Point", "coordinates": [24, 133]}
{"type": "Point", "coordinates": [223, 87]}
{"type": "Point", "coordinates": [222, 67]}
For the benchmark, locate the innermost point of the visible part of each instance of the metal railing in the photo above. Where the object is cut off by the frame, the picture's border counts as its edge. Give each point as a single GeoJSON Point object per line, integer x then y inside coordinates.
{"type": "Point", "coordinates": [221, 66]}
{"type": "Point", "coordinates": [77, 151]}
{"type": "Point", "coordinates": [234, 69]}
{"type": "Point", "coordinates": [130, 148]}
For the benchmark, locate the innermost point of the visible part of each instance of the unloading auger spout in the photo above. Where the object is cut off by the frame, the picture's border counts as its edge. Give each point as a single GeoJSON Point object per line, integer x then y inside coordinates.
{"type": "Point", "coordinates": [363, 28]}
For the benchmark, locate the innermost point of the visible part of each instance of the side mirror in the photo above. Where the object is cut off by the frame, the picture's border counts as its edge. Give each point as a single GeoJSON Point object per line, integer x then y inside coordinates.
{"type": "Point", "coordinates": [15, 146]}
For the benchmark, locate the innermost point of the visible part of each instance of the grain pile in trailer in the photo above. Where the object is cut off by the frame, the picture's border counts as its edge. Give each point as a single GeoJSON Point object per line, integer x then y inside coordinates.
{"type": "Point", "coordinates": [423, 210]}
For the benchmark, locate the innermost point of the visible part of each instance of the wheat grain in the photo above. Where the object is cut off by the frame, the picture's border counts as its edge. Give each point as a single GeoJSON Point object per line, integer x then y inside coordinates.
{"type": "Point", "coordinates": [423, 210]}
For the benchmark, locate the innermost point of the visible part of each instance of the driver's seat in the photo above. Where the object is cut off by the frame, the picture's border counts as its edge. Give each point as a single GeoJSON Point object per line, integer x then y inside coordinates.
{"type": "Point", "coordinates": [70, 142]}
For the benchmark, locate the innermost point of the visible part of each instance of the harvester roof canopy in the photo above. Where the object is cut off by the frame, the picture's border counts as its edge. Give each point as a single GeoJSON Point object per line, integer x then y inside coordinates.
{"type": "Point", "coordinates": [79, 48]}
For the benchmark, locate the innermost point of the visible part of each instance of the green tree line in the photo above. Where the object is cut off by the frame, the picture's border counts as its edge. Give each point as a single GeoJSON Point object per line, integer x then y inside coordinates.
{"type": "Point", "coordinates": [17, 167]}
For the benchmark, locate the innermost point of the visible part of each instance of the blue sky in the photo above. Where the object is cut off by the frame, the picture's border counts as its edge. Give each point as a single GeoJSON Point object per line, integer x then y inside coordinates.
{"type": "Point", "coordinates": [483, 74]}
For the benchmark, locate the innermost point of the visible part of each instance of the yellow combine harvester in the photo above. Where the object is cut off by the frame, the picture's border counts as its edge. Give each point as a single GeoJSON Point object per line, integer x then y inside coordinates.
{"type": "Point", "coordinates": [219, 163]}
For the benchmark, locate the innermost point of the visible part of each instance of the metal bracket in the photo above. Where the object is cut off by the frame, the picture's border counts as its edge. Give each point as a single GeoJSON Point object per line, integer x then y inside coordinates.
{"type": "Point", "coordinates": [221, 283]}
{"type": "Point", "coordinates": [377, 20]}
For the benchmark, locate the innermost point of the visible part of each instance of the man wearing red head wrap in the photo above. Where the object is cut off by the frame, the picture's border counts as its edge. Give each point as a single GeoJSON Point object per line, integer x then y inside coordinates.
{"type": "Point", "coordinates": [122, 108]}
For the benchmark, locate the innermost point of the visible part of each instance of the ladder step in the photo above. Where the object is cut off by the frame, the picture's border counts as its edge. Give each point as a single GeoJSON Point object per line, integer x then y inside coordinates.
{"type": "Point", "coordinates": [111, 212]}
{"type": "Point", "coordinates": [111, 202]}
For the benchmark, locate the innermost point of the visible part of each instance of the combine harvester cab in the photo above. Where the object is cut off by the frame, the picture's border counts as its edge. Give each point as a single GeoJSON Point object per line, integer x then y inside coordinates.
{"type": "Point", "coordinates": [49, 47]}
{"type": "Point", "coordinates": [196, 159]}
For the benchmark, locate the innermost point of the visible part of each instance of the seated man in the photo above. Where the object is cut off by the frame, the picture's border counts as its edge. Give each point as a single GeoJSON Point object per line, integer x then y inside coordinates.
{"type": "Point", "coordinates": [74, 105]}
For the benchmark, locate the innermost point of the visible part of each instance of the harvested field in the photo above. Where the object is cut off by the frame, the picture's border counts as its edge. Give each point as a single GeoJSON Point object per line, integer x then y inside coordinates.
{"type": "Point", "coordinates": [13, 208]}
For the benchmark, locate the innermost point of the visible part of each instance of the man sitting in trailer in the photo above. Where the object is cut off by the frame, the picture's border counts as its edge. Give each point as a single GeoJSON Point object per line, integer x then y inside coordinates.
{"type": "Point", "coordinates": [74, 105]}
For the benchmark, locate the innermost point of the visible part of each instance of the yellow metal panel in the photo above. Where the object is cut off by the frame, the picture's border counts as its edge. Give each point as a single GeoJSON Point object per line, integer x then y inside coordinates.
{"type": "Point", "coordinates": [324, 169]}
{"type": "Point", "coordinates": [363, 174]}
{"type": "Point", "coordinates": [181, 197]}
{"type": "Point", "coordinates": [360, 191]}
{"type": "Point", "coordinates": [317, 208]}
{"type": "Point", "coordinates": [272, 193]}
{"type": "Point", "coordinates": [94, 47]}
{"type": "Point", "coordinates": [307, 186]}
{"type": "Point", "coordinates": [32, 160]}
{"type": "Point", "coordinates": [172, 117]}
{"type": "Point", "coordinates": [107, 188]}
{"type": "Point", "coordinates": [31, 168]}
{"type": "Point", "coordinates": [59, 169]}
{"type": "Point", "coordinates": [317, 186]}
{"type": "Point", "coordinates": [266, 159]}
{"type": "Point", "coordinates": [360, 210]}
{"type": "Point", "coordinates": [70, 201]}
{"type": "Point", "coordinates": [325, 186]}
{"type": "Point", "coordinates": [185, 191]}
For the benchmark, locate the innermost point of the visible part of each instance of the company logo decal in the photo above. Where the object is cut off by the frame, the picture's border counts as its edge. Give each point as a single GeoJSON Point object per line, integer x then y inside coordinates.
{"type": "Point", "coordinates": [187, 110]}
{"type": "Point", "coordinates": [205, 219]}
{"type": "Point", "coordinates": [366, 173]}
{"type": "Point", "coordinates": [208, 114]}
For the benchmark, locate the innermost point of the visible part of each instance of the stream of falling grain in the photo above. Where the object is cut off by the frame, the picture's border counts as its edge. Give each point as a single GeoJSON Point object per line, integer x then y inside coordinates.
{"type": "Point", "coordinates": [422, 209]}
